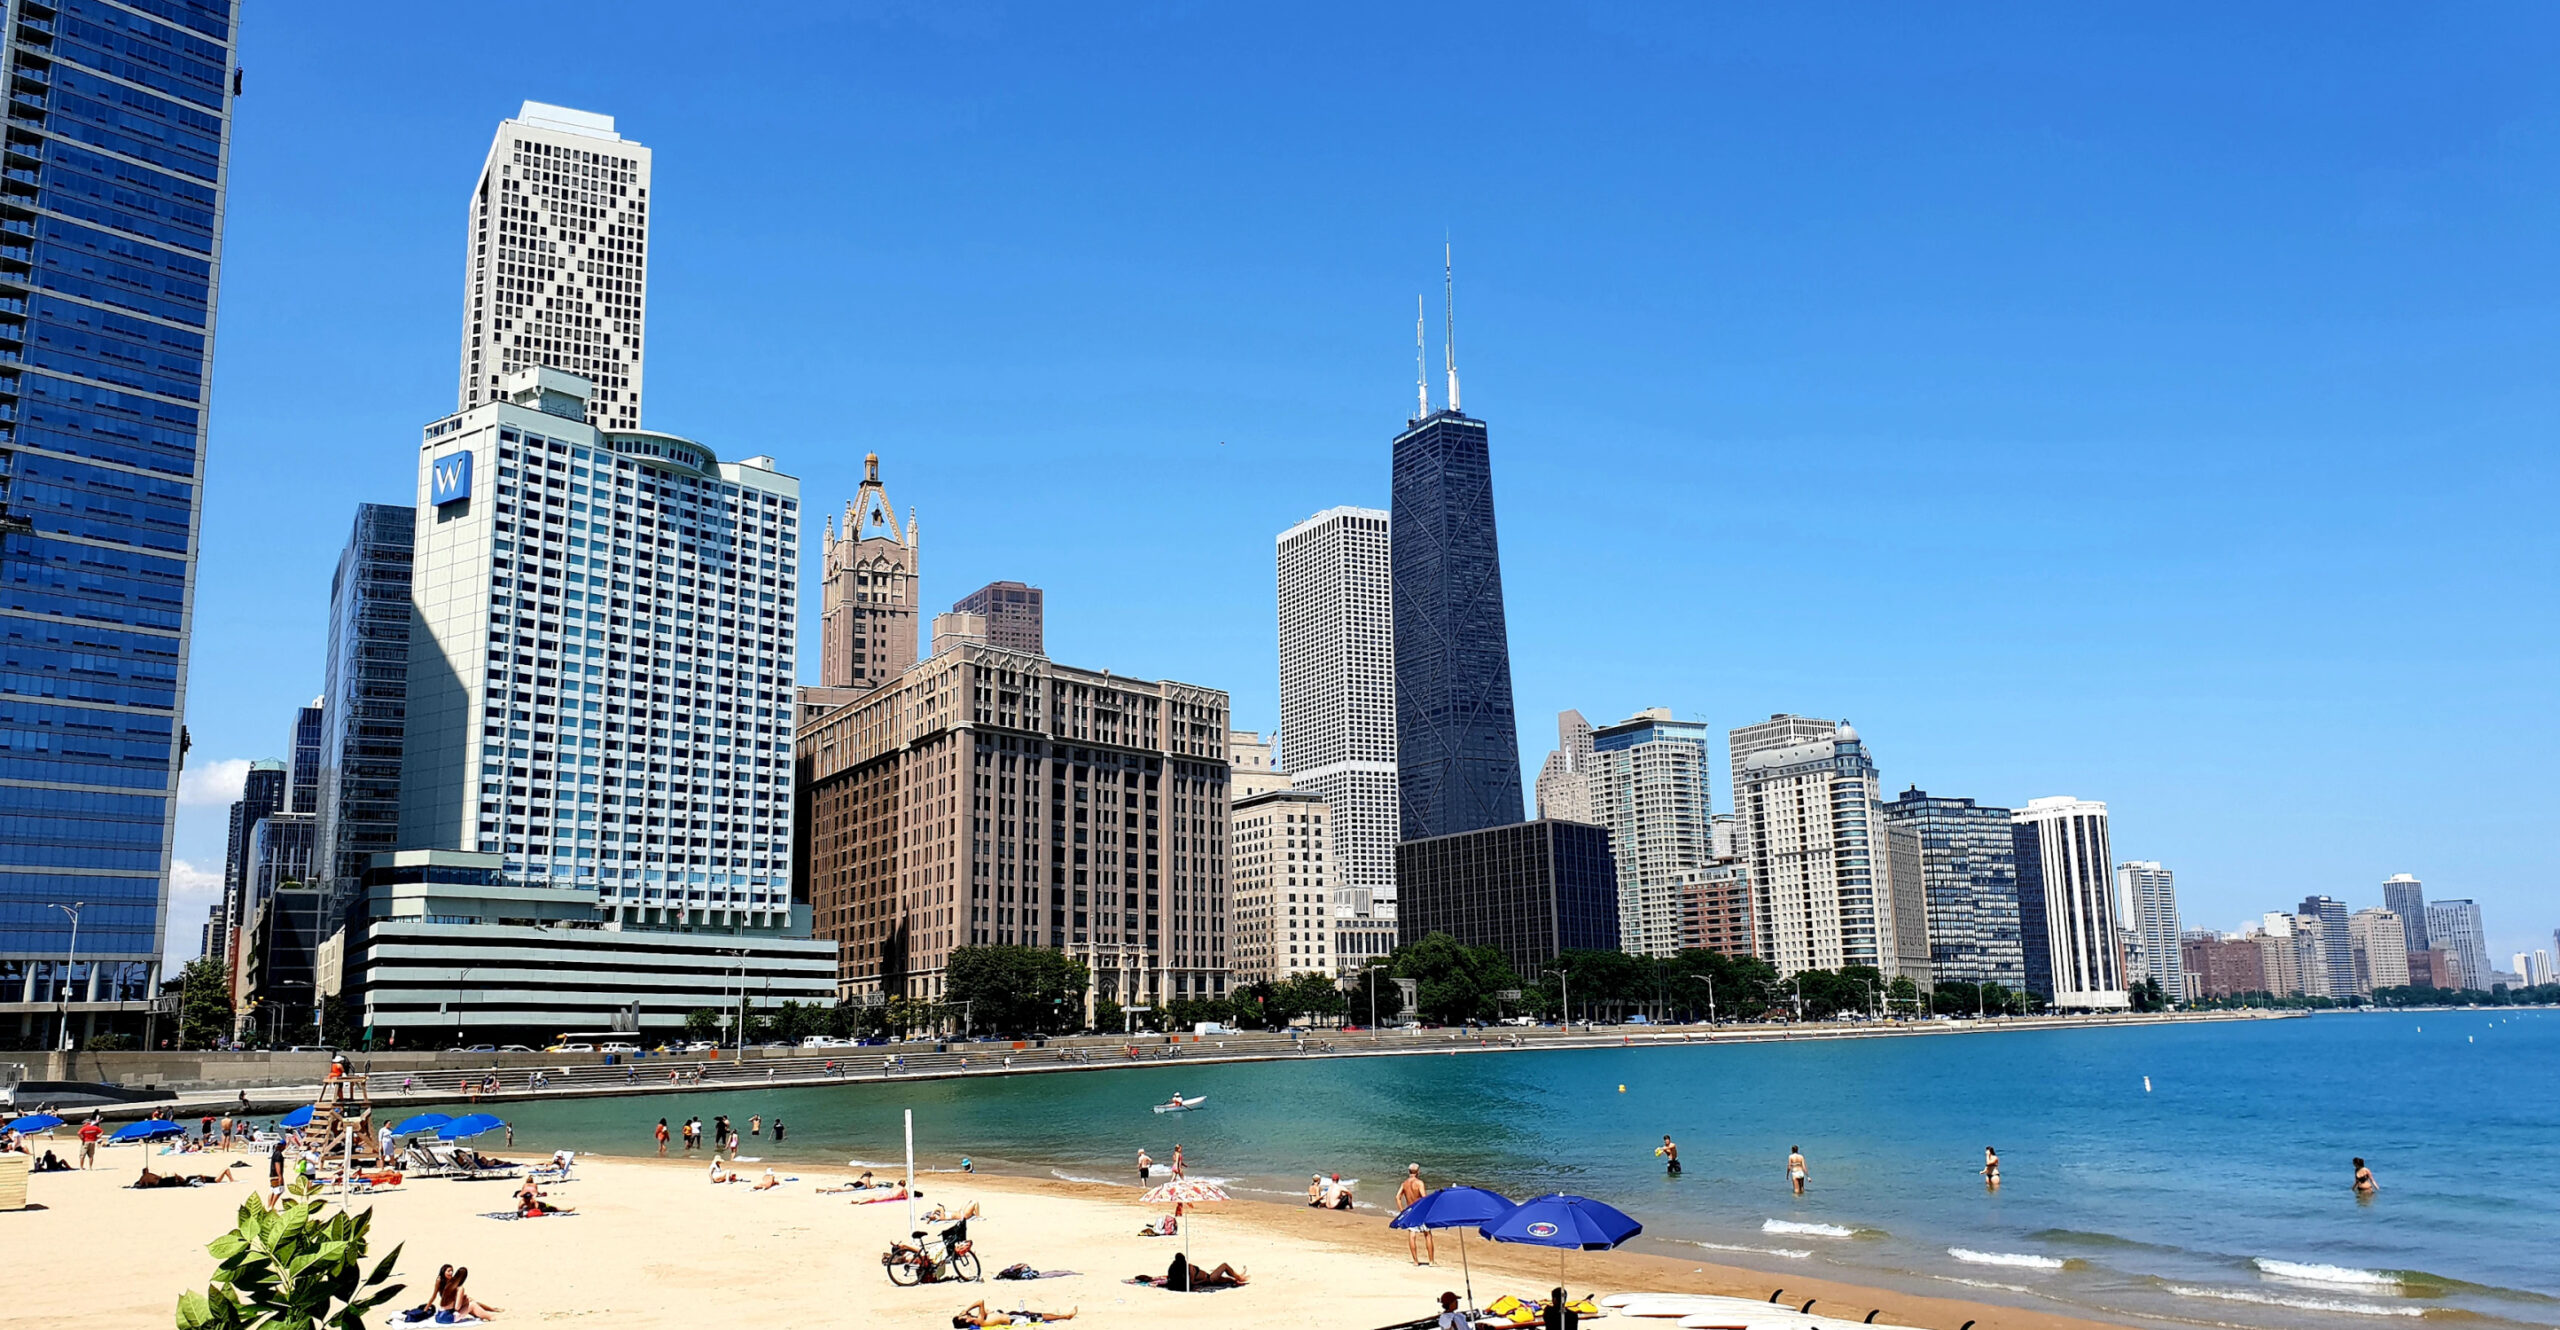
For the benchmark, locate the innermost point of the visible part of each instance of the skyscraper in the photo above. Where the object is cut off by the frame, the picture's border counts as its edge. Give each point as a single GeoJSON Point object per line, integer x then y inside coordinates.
{"type": "Point", "coordinates": [2381, 950]}
{"type": "Point", "coordinates": [2066, 905]}
{"type": "Point", "coordinates": [1457, 741]}
{"type": "Point", "coordinates": [557, 271]}
{"type": "Point", "coordinates": [2455, 926]}
{"type": "Point", "coordinates": [1821, 882]}
{"type": "Point", "coordinates": [364, 700]}
{"type": "Point", "coordinates": [867, 609]}
{"type": "Point", "coordinates": [1526, 889]}
{"type": "Point", "coordinates": [1969, 876]}
{"type": "Point", "coordinates": [302, 783]}
{"type": "Point", "coordinates": [1014, 615]}
{"type": "Point", "coordinates": [2337, 945]}
{"type": "Point", "coordinates": [262, 793]}
{"type": "Point", "coordinates": [119, 138]}
{"type": "Point", "coordinates": [1780, 730]}
{"type": "Point", "coordinates": [1564, 782]}
{"type": "Point", "coordinates": [1338, 704]}
{"type": "Point", "coordinates": [2147, 906]}
{"type": "Point", "coordinates": [585, 710]}
{"type": "Point", "coordinates": [1647, 783]}
{"type": "Point", "coordinates": [2403, 895]}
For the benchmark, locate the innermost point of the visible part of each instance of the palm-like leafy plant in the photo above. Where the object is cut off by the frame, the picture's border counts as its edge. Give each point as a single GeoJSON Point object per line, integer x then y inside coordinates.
{"type": "Point", "coordinates": [291, 1269]}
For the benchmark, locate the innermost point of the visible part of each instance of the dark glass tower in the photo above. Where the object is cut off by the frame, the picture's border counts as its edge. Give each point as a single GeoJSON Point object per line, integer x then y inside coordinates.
{"type": "Point", "coordinates": [303, 794]}
{"type": "Point", "coordinates": [110, 243]}
{"type": "Point", "coordinates": [1457, 748]}
{"type": "Point", "coordinates": [364, 697]}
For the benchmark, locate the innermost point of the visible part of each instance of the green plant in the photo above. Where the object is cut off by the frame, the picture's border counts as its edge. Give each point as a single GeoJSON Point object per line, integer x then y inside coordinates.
{"type": "Point", "coordinates": [290, 1269]}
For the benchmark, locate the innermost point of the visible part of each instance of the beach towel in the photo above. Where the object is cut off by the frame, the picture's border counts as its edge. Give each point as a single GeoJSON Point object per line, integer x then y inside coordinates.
{"type": "Point", "coordinates": [1026, 1272]}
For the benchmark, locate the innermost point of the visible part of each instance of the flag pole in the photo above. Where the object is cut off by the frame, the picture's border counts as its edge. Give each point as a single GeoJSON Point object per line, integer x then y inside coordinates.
{"type": "Point", "coordinates": [911, 1170]}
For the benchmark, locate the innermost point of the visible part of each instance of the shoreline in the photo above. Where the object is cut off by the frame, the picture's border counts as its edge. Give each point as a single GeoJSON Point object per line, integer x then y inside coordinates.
{"type": "Point", "coordinates": [592, 1079]}
{"type": "Point", "coordinates": [652, 1245]}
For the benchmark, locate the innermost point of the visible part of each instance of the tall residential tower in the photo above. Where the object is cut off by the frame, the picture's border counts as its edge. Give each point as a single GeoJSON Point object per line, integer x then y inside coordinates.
{"type": "Point", "coordinates": [1338, 705]}
{"type": "Point", "coordinates": [557, 270]}
{"type": "Point", "coordinates": [2066, 905]}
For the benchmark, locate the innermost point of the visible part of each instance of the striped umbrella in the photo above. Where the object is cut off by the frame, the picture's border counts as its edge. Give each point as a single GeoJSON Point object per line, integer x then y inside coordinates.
{"type": "Point", "coordinates": [1185, 1192]}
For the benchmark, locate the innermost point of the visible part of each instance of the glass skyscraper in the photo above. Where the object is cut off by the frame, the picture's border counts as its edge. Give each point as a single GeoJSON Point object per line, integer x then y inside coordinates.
{"type": "Point", "coordinates": [364, 697]}
{"type": "Point", "coordinates": [1457, 744]}
{"type": "Point", "coordinates": [1968, 865]}
{"type": "Point", "coordinates": [110, 244]}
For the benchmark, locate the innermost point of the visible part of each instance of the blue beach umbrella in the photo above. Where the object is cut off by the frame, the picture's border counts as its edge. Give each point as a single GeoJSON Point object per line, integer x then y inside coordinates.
{"type": "Point", "coordinates": [35, 1122]}
{"type": "Point", "coordinates": [300, 1117]}
{"type": "Point", "coordinates": [470, 1125]}
{"type": "Point", "coordinates": [1565, 1222]}
{"type": "Point", "coordinates": [1461, 1208]}
{"type": "Point", "coordinates": [422, 1122]}
{"type": "Point", "coordinates": [149, 1129]}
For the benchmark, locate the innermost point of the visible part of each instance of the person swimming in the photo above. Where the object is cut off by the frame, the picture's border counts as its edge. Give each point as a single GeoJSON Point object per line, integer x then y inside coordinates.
{"type": "Point", "coordinates": [2365, 1185]}
{"type": "Point", "coordinates": [1990, 1166]}
{"type": "Point", "coordinates": [1796, 1168]}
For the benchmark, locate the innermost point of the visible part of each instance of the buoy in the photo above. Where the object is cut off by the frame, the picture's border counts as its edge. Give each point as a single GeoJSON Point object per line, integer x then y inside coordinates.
{"type": "Point", "coordinates": [2146, 1085]}
{"type": "Point", "coordinates": [1622, 1089]}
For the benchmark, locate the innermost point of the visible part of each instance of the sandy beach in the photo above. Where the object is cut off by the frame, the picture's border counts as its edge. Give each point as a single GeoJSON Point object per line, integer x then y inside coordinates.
{"type": "Point", "coordinates": [654, 1244]}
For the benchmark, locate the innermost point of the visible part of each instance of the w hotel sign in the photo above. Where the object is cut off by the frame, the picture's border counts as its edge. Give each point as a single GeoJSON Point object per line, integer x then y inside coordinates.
{"type": "Point", "coordinates": [450, 480]}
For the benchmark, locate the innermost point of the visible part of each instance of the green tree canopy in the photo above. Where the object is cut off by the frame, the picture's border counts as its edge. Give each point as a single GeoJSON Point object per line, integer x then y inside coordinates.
{"type": "Point", "coordinates": [1016, 989]}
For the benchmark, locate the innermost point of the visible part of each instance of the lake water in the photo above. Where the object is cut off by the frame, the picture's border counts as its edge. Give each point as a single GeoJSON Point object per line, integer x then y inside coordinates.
{"type": "Point", "coordinates": [2219, 1196]}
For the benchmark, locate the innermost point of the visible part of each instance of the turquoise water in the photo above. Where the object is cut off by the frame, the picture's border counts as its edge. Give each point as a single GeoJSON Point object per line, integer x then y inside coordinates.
{"type": "Point", "coordinates": [2218, 1197]}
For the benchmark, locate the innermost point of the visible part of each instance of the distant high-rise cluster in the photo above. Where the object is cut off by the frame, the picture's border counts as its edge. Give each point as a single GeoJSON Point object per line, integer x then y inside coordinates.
{"type": "Point", "coordinates": [2322, 950]}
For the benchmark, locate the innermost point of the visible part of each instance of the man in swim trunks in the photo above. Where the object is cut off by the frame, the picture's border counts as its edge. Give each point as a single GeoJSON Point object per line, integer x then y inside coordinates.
{"type": "Point", "coordinates": [1670, 1153]}
{"type": "Point", "coordinates": [1795, 1167]}
{"type": "Point", "coordinates": [1144, 1164]}
{"type": "Point", "coordinates": [1417, 1241]}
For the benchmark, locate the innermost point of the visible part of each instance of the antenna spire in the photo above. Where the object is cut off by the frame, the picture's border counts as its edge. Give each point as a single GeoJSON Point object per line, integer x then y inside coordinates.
{"type": "Point", "coordinates": [1449, 289]}
{"type": "Point", "coordinates": [1421, 380]}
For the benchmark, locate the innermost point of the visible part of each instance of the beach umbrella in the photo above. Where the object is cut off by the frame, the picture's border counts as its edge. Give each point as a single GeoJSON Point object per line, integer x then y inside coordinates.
{"type": "Point", "coordinates": [469, 1125]}
{"type": "Point", "coordinates": [149, 1129]}
{"type": "Point", "coordinates": [35, 1122]}
{"type": "Point", "coordinates": [422, 1122]}
{"type": "Point", "coordinates": [297, 1119]}
{"type": "Point", "coordinates": [1185, 1191]}
{"type": "Point", "coordinates": [1567, 1223]}
{"type": "Point", "coordinates": [1461, 1208]}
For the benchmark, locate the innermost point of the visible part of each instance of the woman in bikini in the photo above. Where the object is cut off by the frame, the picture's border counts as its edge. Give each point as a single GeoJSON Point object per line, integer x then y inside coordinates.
{"type": "Point", "coordinates": [978, 1315]}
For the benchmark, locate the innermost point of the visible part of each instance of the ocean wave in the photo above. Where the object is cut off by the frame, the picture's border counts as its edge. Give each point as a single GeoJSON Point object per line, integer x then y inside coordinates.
{"type": "Point", "coordinates": [1807, 1230]}
{"type": "Point", "coordinates": [2302, 1303]}
{"type": "Point", "coordinates": [1983, 1283]}
{"type": "Point", "coordinates": [2023, 1260]}
{"type": "Point", "coordinates": [1063, 1176]}
{"type": "Point", "coordinates": [2330, 1276]}
{"type": "Point", "coordinates": [2082, 1238]}
{"type": "Point", "coordinates": [1791, 1253]}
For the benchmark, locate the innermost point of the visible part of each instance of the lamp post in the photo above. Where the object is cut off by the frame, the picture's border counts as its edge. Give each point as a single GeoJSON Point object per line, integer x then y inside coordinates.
{"type": "Point", "coordinates": [1710, 981]}
{"type": "Point", "coordinates": [1373, 998]}
{"type": "Point", "coordinates": [1564, 987]}
{"type": "Point", "coordinates": [70, 963]}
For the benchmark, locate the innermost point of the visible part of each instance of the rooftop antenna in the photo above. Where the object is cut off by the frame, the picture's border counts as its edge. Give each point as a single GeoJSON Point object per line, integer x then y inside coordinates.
{"type": "Point", "coordinates": [1449, 288]}
{"type": "Point", "coordinates": [1421, 380]}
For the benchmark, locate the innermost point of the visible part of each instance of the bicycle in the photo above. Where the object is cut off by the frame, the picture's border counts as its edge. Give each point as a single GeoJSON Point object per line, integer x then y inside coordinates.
{"type": "Point", "coordinates": [932, 1260]}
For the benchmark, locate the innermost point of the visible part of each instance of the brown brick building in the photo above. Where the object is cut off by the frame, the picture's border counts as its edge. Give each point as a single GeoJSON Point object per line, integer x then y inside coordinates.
{"type": "Point", "coordinates": [1715, 912]}
{"type": "Point", "coordinates": [2219, 968]}
{"type": "Point", "coordinates": [995, 796]}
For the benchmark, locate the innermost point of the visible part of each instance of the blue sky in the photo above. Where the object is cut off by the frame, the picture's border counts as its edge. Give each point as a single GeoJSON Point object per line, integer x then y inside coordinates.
{"type": "Point", "coordinates": [2146, 403]}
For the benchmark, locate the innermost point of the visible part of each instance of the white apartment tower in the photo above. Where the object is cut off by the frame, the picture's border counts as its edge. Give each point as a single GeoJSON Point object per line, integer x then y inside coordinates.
{"type": "Point", "coordinates": [601, 661]}
{"type": "Point", "coordinates": [2147, 907]}
{"type": "Point", "coordinates": [2066, 907]}
{"type": "Point", "coordinates": [1822, 887]}
{"type": "Point", "coordinates": [1338, 701]}
{"type": "Point", "coordinates": [558, 262]}
{"type": "Point", "coordinates": [1645, 779]}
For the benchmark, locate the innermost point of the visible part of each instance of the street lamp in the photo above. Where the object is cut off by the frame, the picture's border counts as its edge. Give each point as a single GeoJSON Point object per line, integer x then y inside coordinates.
{"type": "Point", "coordinates": [70, 964]}
{"type": "Point", "coordinates": [1710, 981]}
{"type": "Point", "coordinates": [1564, 986]}
{"type": "Point", "coordinates": [1373, 998]}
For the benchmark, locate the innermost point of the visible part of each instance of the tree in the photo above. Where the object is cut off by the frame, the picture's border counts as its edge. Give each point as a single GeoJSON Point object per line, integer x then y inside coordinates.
{"type": "Point", "coordinates": [1017, 990]}
{"type": "Point", "coordinates": [204, 1004]}
{"type": "Point", "coordinates": [290, 1269]}
{"type": "Point", "coordinates": [702, 1023]}
{"type": "Point", "coordinates": [1902, 995]}
{"type": "Point", "coordinates": [1452, 983]}
{"type": "Point", "coordinates": [2148, 996]}
{"type": "Point", "coordinates": [1314, 996]}
{"type": "Point", "coordinates": [1106, 1015]}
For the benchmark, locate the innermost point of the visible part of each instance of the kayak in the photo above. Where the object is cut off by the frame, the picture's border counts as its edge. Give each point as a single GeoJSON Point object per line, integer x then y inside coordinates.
{"type": "Point", "coordinates": [1182, 1106]}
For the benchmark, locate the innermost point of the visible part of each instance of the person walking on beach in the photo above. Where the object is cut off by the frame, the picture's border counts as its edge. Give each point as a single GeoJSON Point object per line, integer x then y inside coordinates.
{"type": "Point", "coordinates": [1795, 1167]}
{"type": "Point", "coordinates": [2365, 1185]}
{"type": "Point", "coordinates": [1144, 1164]}
{"type": "Point", "coordinates": [662, 1138]}
{"type": "Point", "coordinates": [90, 1131]}
{"type": "Point", "coordinates": [1670, 1153]}
{"type": "Point", "coordinates": [1418, 1242]}
{"type": "Point", "coordinates": [1991, 1168]}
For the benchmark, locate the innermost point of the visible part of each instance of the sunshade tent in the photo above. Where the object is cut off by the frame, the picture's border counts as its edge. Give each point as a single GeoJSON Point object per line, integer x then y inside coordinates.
{"type": "Point", "coordinates": [422, 1122]}
{"type": "Point", "coordinates": [298, 1118]}
{"type": "Point", "coordinates": [467, 1126]}
{"type": "Point", "coordinates": [1564, 1222]}
{"type": "Point", "coordinates": [1461, 1208]}
{"type": "Point", "coordinates": [1186, 1192]}
{"type": "Point", "coordinates": [35, 1122]}
{"type": "Point", "coordinates": [149, 1129]}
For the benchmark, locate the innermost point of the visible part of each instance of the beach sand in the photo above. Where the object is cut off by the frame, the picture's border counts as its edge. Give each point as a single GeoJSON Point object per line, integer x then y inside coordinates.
{"type": "Point", "coordinates": [655, 1245]}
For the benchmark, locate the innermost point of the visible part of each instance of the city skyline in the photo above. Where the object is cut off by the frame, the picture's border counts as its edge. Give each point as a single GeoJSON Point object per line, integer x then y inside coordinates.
{"type": "Point", "coordinates": [1945, 719]}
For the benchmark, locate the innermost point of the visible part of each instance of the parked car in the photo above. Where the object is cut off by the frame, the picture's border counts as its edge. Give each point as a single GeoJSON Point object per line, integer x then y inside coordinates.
{"type": "Point", "coordinates": [567, 1048]}
{"type": "Point", "coordinates": [481, 1048]}
{"type": "Point", "coordinates": [513, 1048]}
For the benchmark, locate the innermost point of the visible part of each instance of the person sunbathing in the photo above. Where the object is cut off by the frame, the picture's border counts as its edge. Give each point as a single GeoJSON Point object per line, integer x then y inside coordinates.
{"type": "Point", "coordinates": [1164, 1227]}
{"type": "Point", "coordinates": [719, 1174]}
{"type": "Point", "coordinates": [533, 1206]}
{"type": "Point", "coordinates": [1183, 1276]}
{"type": "Point", "coordinates": [450, 1299]}
{"type": "Point", "coordinates": [150, 1179]}
{"type": "Point", "coordinates": [941, 1214]}
{"type": "Point", "coordinates": [978, 1315]}
{"type": "Point", "coordinates": [766, 1183]}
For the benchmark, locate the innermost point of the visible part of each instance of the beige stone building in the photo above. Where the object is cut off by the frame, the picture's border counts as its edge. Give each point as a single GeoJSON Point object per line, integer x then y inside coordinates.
{"type": "Point", "coordinates": [1283, 886]}
{"type": "Point", "coordinates": [867, 624]}
{"type": "Point", "coordinates": [994, 796]}
{"type": "Point", "coordinates": [1257, 771]}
